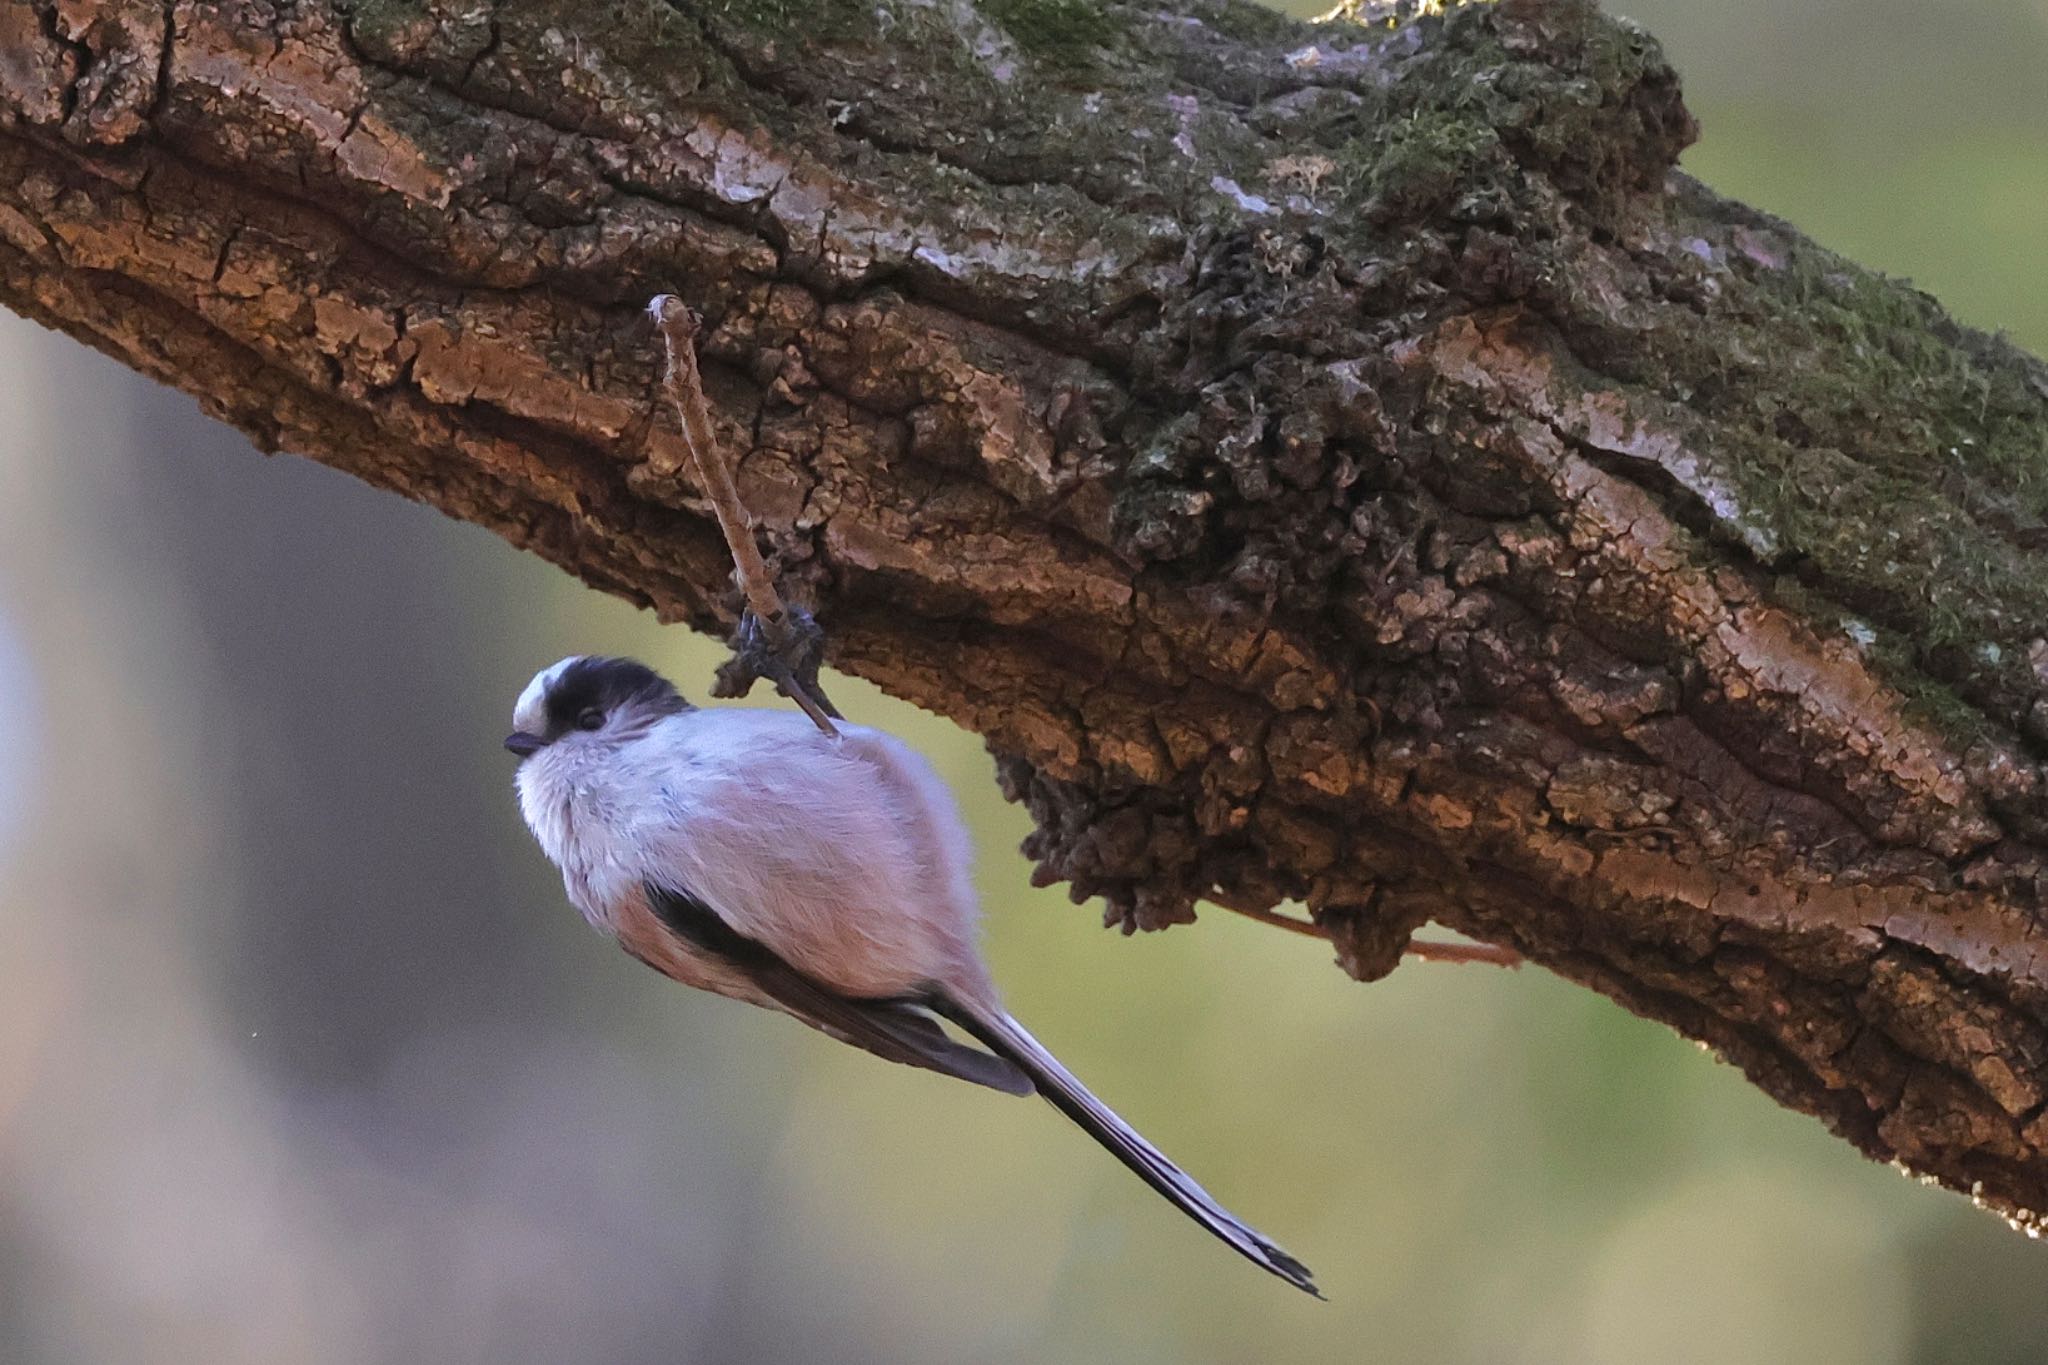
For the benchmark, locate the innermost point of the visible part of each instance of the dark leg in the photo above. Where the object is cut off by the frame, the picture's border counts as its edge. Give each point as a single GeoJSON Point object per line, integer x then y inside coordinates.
{"type": "Point", "coordinates": [791, 662]}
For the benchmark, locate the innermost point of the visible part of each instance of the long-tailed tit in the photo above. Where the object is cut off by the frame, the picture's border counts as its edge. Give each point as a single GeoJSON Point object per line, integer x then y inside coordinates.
{"type": "Point", "coordinates": [745, 852]}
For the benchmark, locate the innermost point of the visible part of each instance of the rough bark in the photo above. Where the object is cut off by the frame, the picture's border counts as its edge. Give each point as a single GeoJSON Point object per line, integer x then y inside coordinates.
{"type": "Point", "coordinates": [1346, 463]}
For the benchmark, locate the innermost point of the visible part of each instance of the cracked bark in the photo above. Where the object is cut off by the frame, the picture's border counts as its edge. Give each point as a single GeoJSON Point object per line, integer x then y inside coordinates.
{"type": "Point", "coordinates": [1345, 463]}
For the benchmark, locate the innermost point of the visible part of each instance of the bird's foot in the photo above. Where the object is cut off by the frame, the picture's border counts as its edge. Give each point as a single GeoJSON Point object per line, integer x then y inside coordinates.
{"type": "Point", "coordinates": [786, 651]}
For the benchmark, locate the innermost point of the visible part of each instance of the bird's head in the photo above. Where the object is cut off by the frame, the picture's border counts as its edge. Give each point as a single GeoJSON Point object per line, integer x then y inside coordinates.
{"type": "Point", "coordinates": [586, 696]}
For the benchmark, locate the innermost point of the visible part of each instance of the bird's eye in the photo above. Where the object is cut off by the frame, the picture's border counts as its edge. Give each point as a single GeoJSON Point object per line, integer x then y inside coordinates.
{"type": "Point", "coordinates": [591, 719]}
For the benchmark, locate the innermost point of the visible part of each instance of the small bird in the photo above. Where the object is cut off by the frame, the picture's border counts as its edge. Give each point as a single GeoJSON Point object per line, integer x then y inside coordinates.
{"type": "Point", "coordinates": [744, 851]}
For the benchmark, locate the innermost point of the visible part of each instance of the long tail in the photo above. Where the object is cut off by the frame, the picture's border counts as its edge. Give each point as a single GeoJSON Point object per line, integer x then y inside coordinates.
{"type": "Point", "coordinates": [1008, 1038]}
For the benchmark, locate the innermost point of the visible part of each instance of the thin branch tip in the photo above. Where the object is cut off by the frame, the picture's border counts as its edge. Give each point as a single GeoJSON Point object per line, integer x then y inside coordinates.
{"type": "Point", "coordinates": [677, 320]}
{"type": "Point", "coordinates": [1421, 949]}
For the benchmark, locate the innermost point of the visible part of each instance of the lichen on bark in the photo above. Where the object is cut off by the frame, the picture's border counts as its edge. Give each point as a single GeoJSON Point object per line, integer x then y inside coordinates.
{"type": "Point", "coordinates": [1347, 463]}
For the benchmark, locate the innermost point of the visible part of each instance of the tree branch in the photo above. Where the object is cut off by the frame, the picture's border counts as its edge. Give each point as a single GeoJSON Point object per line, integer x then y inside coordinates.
{"type": "Point", "coordinates": [1341, 463]}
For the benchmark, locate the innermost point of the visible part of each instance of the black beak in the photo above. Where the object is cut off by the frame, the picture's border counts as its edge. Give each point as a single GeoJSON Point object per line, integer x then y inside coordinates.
{"type": "Point", "coordinates": [521, 743]}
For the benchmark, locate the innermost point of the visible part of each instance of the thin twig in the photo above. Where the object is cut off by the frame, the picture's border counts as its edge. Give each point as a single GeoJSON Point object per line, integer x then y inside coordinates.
{"type": "Point", "coordinates": [685, 388]}
{"type": "Point", "coordinates": [1277, 920]}
{"type": "Point", "coordinates": [1422, 949]}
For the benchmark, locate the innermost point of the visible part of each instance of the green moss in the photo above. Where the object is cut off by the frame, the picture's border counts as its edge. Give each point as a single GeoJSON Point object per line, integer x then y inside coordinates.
{"type": "Point", "coordinates": [1061, 32]}
{"type": "Point", "coordinates": [1251, 23]}
{"type": "Point", "coordinates": [1410, 166]}
{"type": "Point", "coordinates": [1822, 346]}
{"type": "Point", "coordinates": [414, 33]}
{"type": "Point", "coordinates": [1894, 658]}
{"type": "Point", "coordinates": [1904, 443]}
{"type": "Point", "coordinates": [1963, 403]}
{"type": "Point", "coordinates": [1483, 99]}
{"type": "Point", "coordinates": [796, 20]}
{"type": "Point", "coordinates": [1900, 461]}
{"type": "Point", "coordinates": [383, 15]}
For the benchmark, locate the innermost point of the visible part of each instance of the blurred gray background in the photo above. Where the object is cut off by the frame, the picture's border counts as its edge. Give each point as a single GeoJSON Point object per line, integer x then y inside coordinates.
{"type": "Point", "coordinates": [303, 1058]}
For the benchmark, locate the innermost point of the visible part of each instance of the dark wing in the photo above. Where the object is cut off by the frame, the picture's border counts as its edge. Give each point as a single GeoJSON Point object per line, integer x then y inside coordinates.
{"type": "Point", "coordinates": [896, 1029]}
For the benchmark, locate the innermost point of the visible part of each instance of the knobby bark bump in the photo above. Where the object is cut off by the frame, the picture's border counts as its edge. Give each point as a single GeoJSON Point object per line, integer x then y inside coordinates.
{"type": "Point", "coordinates": [1341, 462]}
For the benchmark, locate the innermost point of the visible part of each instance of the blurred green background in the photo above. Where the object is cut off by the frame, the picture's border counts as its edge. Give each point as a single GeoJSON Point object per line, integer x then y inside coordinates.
{"type": "Point", "coordinates": [303, 1058]}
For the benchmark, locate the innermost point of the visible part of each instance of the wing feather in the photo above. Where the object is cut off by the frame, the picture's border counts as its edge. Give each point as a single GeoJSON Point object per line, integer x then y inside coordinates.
{"type": "Point", "coordinates": [896, 1029]}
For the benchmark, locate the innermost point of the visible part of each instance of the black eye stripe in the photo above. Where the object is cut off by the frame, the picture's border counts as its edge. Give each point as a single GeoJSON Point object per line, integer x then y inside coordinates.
{"type": "Point", "coordinates": [601, 686]}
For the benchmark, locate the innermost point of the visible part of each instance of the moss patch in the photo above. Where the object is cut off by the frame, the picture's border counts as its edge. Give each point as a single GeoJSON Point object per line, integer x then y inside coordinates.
{"type": "Point", "coordinates": [1061, 32]}
{"type": "Point", "coordinates": [1484, 100]}
{"type": "Point", "coordinates": [1251, 23]}
{"type": "Point", "coordinates": [1411, 166]}
{"type": "Point", "coordinates": [797, 21]}
{"type": "Point", "coordinates": [1893, 657]}
{"type": "Point", "coordinates": [1896, 462]}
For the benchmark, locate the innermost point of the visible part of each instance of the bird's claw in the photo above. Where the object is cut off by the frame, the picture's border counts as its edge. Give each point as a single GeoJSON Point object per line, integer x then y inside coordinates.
{"type": "Point", "coordinates": [791, 661]}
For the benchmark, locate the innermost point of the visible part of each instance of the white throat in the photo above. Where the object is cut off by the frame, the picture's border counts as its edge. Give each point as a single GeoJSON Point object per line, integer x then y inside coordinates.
{"type": "Point", "coordinates": [580, 817]}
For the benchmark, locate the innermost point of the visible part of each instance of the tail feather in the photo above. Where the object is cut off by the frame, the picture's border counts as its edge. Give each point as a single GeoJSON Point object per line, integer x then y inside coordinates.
{"type": "Point", "coordinates": [1008, 1038]}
